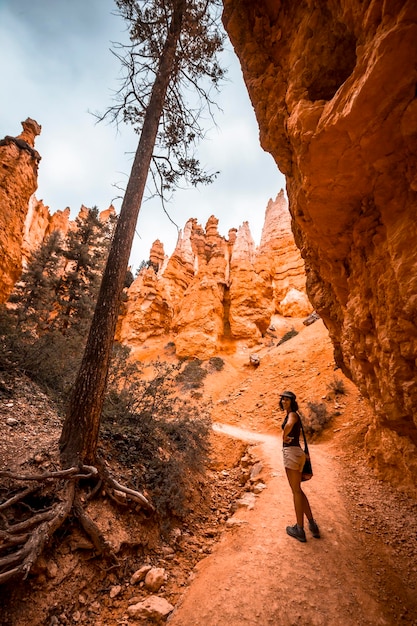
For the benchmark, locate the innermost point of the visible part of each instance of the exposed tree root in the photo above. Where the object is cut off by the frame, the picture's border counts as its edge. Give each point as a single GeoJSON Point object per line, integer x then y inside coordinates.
{"type": "Point", "coordinates": [31, 515]}
{"type": "Point", "coordinates": [115, 487]}
{"type": "Point", "coordinates": [18, 563]}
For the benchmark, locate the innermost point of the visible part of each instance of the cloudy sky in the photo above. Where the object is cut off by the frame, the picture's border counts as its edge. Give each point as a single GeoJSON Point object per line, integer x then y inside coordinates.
{"type": "Point", "coordinates": [56, 67]}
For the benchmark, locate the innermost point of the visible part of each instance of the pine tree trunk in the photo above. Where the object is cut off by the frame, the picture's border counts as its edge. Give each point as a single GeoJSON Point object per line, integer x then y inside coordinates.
{"type": "Point", "coordinates": [79, 437]}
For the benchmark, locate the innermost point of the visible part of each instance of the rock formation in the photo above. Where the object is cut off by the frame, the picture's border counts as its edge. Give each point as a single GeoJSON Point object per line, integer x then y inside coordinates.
{"type": "Point", "coordinates": [333, 85]}
{"type": "Point", "coordinates": [39, 224]}
{"type": "Point", "coordinates": [214, 290]}
{"type": "Point", "coordinates": [251, 293]}
{"type": "Point", "coordinates": [279, 258]}
{"type": "Point", "coordinates": [18, 181]}
{"type": "Point", "coordinates": [146, 311]}
{"type": "Point", "coordinates": [198, 321]}
{"type": "Point", "coordinates": [25, 222]}
{"type": "Point", "coordinates": [211, 290]}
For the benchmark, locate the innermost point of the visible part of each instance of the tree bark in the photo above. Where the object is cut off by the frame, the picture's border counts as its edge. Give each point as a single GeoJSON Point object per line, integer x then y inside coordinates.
{"type": "Point", "coordinates": [79, 437]}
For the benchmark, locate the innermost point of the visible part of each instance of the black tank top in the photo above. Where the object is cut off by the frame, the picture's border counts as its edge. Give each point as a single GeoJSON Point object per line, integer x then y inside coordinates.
{"type": "Point", "coordinates": [294, 432]}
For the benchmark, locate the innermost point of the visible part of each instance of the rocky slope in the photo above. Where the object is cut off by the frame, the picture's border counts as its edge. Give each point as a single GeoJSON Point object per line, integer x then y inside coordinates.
{"type": "Point", "coordinates": [213, 291]}
{"type": "Point", "coordinates": [333, 88]}
{"type": "Point", "coordinates": [364, 564]}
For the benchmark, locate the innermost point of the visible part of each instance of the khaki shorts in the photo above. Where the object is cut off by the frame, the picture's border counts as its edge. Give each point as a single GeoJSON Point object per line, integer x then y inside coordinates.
{"type": "Point", "coordinates": [294, 458]}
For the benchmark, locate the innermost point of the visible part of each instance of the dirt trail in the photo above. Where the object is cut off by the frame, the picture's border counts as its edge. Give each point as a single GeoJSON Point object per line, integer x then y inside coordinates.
{"type": "Point", "coordinates": [363, 570]}
{"type": "Point", "coordinates": [258, 575]}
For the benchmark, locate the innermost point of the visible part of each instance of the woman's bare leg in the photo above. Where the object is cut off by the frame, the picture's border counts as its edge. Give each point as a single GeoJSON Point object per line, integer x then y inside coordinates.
{"type": "Point", "coordinates": [306, 507]}
{"type": "Point", "coordinates": [301, 503]}
{"type": "Point", "coordinates": [294, 479]}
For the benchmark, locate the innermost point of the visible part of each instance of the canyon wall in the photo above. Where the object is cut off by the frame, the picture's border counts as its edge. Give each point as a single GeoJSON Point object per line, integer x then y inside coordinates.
{"type": "Point", "coordinates": [333, 85]}
{"type": "Point", "coordinates": [215, 290]}
{"type": "Point", "coordinates": [18, 181]}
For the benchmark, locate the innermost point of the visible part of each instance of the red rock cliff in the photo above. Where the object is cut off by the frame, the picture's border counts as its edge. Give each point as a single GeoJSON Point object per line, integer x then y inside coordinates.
{"type": "Point", "coordinates": [18, 181]}
{"type": "Point", "coordinates": [214, 290]}
{"type": "Point", "coordinates": [25, 222]}
{"type": "Point", "coordinates": [333, 85]}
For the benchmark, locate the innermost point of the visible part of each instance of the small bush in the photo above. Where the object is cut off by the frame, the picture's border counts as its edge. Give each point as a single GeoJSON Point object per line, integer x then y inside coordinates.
{"type": "Point", "coordinates": [289, 335]}
{"type": "Point", "coordinates": [337, 386]}
{"type": "Point", "coordinates": [167, 457]}
{"type": "Point", "coordinates": [163, 440]}
{"type": "Point", "coordinates": [51, 360]}
{"type": "Point", "coordinates": [10, 343]}
{"type": "Point", "coordinates": [318, 418]}
{"type": "Point", "coordinates": [192, 375]}
{"type": "Point", "coordinates": [170, 347]}
{"type": "Point", "coordinates": [216, 363]}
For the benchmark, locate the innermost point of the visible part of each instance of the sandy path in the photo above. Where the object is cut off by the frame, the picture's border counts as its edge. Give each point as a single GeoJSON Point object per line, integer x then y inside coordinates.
{"type": "Point", "coordinates": [258, 575]}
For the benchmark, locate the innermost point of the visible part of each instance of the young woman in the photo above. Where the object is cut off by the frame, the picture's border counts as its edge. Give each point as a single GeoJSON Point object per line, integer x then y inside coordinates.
{"type": "Point", "coordinates": [294, 458]}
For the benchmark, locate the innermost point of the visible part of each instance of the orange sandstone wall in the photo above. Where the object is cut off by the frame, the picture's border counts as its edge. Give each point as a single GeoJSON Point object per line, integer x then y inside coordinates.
{"type": "Point", "coordinates": [25, 222]}
{"type": "Point", "coordinates": [18, 181]}
{"type": "Point", "coordinates": [333, 85]}
{"type": "Point", "coordinates": [214, 290]}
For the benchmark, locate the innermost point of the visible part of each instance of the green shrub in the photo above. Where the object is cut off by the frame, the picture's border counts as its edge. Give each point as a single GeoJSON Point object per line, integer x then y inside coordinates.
{"type": "Point", "coordinates": [9, 340]}
{"type": "Point", "coordinates": [289, 335]}
{"type": "Point", "coordinates": [216, 363]}
{"type": "Point", "coordinates": [337, 386]}
{"type": "Point", "coordinates": [318, 418]}
{"type": "Point", "coordinates": [168, 458]}
{"type": "Point", "coordinates": [162, 439]}
{"type": "Point", "coordinates": [193, 375]}
{"type": "Point", "coordinates": [51, 360]}
{"type": "Point", "coordinates": [50, 310]}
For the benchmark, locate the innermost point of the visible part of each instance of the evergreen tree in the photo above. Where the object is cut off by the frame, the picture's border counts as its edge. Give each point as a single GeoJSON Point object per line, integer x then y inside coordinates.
{"type": "Point", "coordinates": [44, 328]}
{"type": "Point", "coordinates": [33, 298]}
{"type": "Point", "coordinates": [85, 254]}
{"type": "Point", "coordinates": [194, 73]}
{"type": "Point", "coordinates": [177, 41]}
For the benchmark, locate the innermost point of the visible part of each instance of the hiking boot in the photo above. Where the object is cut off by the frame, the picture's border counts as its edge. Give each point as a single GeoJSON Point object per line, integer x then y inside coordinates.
{"type": "Point", "coordinates": [297, 533]}
{"type": "Point", "coordinates": [314, 529]}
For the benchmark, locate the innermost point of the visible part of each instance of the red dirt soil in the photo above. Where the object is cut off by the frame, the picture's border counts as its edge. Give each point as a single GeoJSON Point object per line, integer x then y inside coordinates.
{"type": "Point", "coordinates": [363, 570]}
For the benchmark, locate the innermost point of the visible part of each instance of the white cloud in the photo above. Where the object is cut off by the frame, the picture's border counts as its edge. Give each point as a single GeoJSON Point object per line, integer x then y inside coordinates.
{"type": "Point", "coordinates": [58, 68]}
